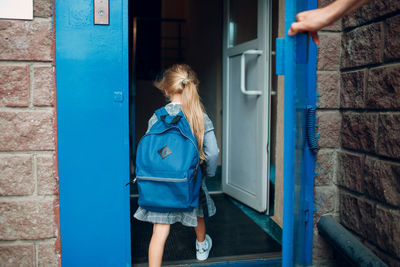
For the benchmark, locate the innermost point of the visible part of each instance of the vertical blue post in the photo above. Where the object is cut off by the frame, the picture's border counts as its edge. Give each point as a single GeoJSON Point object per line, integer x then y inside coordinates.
{"type": "Point", "coordinates": [309, 157]}
{"type": "Point", "coordinates": [299, 69]}
{"type": "Point", "coordinates": [289, 138]}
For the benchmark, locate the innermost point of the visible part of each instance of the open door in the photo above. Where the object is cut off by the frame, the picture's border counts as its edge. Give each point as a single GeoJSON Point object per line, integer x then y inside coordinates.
{"type": "Point", "coordinates": [246, 98]}
{"type": "Point", "coordinates": [92, 131]}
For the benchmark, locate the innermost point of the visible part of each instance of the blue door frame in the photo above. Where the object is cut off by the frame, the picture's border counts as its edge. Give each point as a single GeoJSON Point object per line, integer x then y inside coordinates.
{"type": "Point", "coordinates": [93, 135]}
{"type": "Point", "coordinates": [297, 60]}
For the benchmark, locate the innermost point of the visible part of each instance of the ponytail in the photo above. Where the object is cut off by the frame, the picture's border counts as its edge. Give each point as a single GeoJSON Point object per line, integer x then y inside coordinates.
{"type": "Point", "coordinates": [181, 79]}
{"type": "Point", "coordinates": [193, 110]}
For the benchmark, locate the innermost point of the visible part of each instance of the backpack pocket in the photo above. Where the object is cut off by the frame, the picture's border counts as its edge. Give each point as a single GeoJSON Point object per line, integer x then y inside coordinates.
{"type": "Point", "coordinates": [164, 194]}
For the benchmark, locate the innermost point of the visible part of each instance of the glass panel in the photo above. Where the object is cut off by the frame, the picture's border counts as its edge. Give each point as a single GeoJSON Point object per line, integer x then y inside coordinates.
{"type": "Point", "coordinates": [242, 21]}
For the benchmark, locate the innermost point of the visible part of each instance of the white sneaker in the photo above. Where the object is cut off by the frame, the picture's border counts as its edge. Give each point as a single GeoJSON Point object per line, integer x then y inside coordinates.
{"type": "Point", "coordinates": [203, 248]}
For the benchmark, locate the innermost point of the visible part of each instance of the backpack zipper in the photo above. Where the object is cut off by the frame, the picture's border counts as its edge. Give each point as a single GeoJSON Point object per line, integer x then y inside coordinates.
{"type": "Point", "coordinates": [160, 179]}
{"type": "Point", "coordinates": [198, 161]}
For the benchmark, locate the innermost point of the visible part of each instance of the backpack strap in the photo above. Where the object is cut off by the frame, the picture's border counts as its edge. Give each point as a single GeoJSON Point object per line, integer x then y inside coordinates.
{"type": "Point", "coordinates": [161, 112]}
{"type": "Point", "coordinates": [164, 116]}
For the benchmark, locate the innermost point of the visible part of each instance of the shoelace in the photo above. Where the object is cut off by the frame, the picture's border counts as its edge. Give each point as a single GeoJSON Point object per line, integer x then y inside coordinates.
{"type": "Point", "coordinates": [203, 249]}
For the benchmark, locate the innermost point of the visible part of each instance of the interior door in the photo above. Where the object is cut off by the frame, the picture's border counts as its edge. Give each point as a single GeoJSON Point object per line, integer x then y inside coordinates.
{"type": "Point", "coordinates": [246, 98]}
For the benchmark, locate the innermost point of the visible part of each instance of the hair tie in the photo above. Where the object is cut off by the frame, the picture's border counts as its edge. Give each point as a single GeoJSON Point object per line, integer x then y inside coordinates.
{"type": "Point", "coordinates": [185, 81]}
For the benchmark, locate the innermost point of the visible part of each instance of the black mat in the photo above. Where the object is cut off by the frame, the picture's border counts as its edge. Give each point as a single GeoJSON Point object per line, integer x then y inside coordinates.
{"type": "Point", "coordinates": [232, 232]}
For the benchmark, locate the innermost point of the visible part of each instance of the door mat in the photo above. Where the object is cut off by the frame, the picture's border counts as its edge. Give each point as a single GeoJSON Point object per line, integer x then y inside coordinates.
{"type": "Point", "coordinates": [233, 234]}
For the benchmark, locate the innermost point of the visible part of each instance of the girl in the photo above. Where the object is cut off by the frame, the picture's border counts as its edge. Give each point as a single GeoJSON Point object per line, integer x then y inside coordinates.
{"type": "Point", "coordinates": [179, 84]}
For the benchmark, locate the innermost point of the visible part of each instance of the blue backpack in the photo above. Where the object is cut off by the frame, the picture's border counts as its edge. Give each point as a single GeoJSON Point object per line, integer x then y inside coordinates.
{"type": "Point", "coordinates": [168, 171]}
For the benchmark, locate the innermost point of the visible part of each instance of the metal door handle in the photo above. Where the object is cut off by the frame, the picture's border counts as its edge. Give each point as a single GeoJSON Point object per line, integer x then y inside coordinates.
{"type": "Point", "coordinates": [243, 72]}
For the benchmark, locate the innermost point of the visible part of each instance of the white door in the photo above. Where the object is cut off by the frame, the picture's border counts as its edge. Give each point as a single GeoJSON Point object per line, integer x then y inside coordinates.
{"type": "Point", "coordinates": [246, 100]}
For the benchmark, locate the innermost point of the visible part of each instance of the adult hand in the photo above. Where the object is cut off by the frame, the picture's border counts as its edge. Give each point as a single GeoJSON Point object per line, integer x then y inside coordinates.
{"type": "Point", "coordinates": [310, 21]}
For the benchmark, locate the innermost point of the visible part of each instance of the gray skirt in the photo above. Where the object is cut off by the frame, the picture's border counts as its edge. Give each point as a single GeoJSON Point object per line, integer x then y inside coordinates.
{"type": "Point", "coordinates": [186, 218]}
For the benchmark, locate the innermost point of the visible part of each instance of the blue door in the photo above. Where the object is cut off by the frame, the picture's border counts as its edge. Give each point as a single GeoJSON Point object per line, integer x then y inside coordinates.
{"type": "Point", "coordinates": [93, 137]}
{"type": "Point", "coordinates": [296, 60]}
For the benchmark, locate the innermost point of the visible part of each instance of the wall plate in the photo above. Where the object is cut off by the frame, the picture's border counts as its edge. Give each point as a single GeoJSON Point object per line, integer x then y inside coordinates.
{"type": "Point", "coordinates": [101, 12]}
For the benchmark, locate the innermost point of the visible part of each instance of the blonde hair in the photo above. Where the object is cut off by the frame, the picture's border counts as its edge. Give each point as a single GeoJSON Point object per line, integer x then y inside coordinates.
{"type": "Point", "coordinates": [181, 79]}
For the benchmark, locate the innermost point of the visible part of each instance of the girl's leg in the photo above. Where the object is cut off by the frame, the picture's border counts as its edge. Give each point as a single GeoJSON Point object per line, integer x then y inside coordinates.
{"type": "Point", "coordinates": [157, 242]}
{"type": "Point", "coordinates": [200, 229]}
{"type": "Point", "coordinates": [203, 242]}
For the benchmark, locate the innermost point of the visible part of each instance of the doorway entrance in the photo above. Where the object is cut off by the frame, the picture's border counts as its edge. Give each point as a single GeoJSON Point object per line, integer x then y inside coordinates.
{"type": "Point", "coordinates": [234, 88]}
{"type": "Point", "coordinates": [92, 118]}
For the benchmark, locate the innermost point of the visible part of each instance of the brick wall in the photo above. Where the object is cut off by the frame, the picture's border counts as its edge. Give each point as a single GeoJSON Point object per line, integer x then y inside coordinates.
{"type": "Point", "coordinates": [329, 123]}
{"type": "Point", "coordinates": [29, 228]}
{"type": "Point", "coordinates": [358, 165]}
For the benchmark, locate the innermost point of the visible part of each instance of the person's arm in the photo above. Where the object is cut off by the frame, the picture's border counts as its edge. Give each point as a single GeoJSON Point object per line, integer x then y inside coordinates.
{"type": "Point", "coordinates": [211, 151]}
{"type": "Point", "coordinates": [312, 21]}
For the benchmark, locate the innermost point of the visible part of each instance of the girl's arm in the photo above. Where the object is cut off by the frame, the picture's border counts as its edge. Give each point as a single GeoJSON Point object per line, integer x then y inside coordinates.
{"type": "Point", "coordinates": [211, 150]}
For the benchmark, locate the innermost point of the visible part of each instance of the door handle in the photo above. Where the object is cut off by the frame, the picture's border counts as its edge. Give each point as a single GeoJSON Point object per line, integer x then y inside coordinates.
{"type": "Point", "coordinates": [243, 72]}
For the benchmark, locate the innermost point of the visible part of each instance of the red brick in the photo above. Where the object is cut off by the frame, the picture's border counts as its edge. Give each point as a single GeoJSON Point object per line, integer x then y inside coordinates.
{"type": "Point", "coordinates": [350, 171]}
{"type": "Point", "coordinates": [329, 51]}
{"type": "Point", "coordinates": [362, 46]}
{"type": "Point", "coordinates": [392, 38]}
{"type": "Point", "coordinates": [27, 219]}
{"type": "Point", "coordinates": [16, 175]}
{"type": "Point", "coordinates": [387, 230]}
{"type": "Point", "coordinates": [47, 182]}
{"type": "Point", "coordinates": [43, 86]}
{"type": "Point", "coordinates": [349, 212]}
{"type": "Point", "coordinates": [359, 131]}
{"type": "Point", "coordinates": [327, 88]}
{"type": "Point", "coordinates": [352, 89]}
{"type": "Point", "coordinates": [368, 12]}
{"type": "Point", "coordinates": [374, 223]}
{"type": "Point", "coordinates": [42, 8]}
{"type": "Point", "coordinates": [381, 180]}
{"type": "Point", "coordinates": [368, 212]}
{"type": "Point", "coordinates": [26, 130]}
{"type": "Point", "coordinates": [17, 255]}
{"type": "Point", "coordinates": [14, 85]}
{"type": "Point", "coordinates": [329, 123]}
{"type": "Point", "coordinates": [26, 40]}
{"type": "Point", "coordinates": [325, 167]}
{"type": "Point", "coordinates": [383, 87]}
{"type": "Point", "coordinates": [358, 215]}
{"type": "Point", "coordinates": [47, 255]}
{"type": "Point", "coordinates": [389, 135]}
